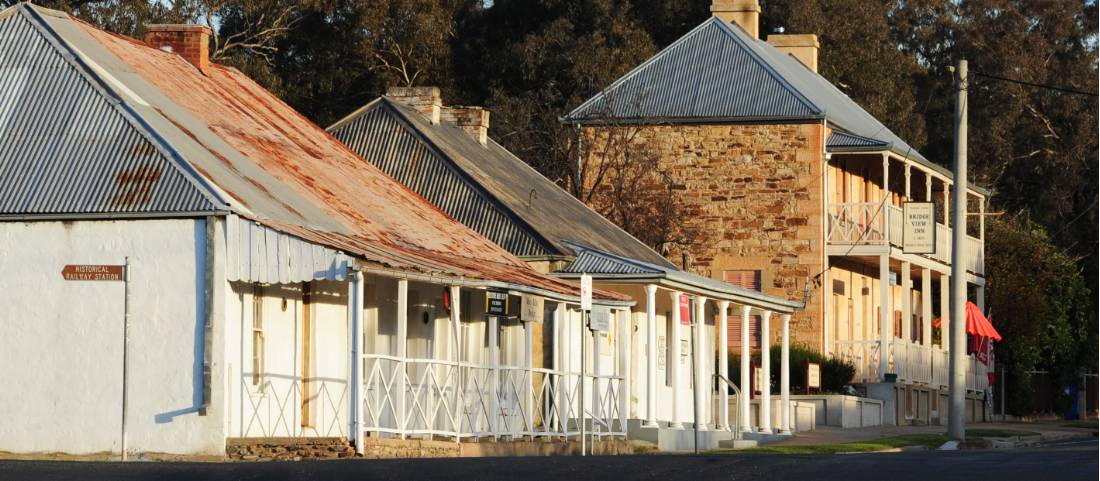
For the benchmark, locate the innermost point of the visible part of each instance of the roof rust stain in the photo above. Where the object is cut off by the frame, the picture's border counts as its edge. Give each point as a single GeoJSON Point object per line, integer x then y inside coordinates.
{"type": "Point", "coordinates": [389, 223]}
{"type": "Point", "coordinates": [135, 186]}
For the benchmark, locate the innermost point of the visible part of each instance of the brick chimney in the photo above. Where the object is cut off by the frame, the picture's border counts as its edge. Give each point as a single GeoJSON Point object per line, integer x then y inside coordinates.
{"type": "Point", "coordinates": [190, 41]}
{"type": "Point", "coordinates": [425, 100]}
{"type": "Point", "coordinates": [474, 120]}
{"type": "Point", "coordinates": [803, 47]}
{"type": "Point", "coordinates": [745, 13]}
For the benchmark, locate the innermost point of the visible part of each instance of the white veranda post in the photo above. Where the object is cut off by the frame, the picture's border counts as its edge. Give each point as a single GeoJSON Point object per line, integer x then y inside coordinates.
{"type": "Point", "coordinates": [700, 383]}
{"type": "Point", "coordinates": [651, 355]}
{"type": "Point", "coordinates": [785, 378]}
{"type": "Point", "coordinates": [723, 365]}
{"type": "Point", "coordinates": [675, 366]}
{"type": "Point", "coordinates": [766, 366]}
{"type": "Point", "coordinates": [746, 389]}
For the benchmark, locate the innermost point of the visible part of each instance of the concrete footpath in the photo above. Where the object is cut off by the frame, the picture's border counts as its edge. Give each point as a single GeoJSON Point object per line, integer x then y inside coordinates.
{"type": "Point", "coordinates": [1047, 432]}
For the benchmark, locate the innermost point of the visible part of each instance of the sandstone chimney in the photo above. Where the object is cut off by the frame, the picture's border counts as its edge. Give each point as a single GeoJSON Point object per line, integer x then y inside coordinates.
{"type": "Point", "coordinates": [802, 47]}
{"type": "Point", "coordinates": [425, 100]}
{"type": "Point", "coordinates": [190, 41]}
{"type": "Point", "coordinates": [474, 120]}
{"type": "Point", "coordinates": [745, 13]}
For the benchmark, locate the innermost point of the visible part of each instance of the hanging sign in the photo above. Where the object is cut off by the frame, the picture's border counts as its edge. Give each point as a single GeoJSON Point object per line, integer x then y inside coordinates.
{"type": "Point", "coordinates": [85, 272]}
{"type": "Point", "coordinates": [532, 308]}
{"type": "Point", "coordinates": [496, 303]}
{"type": "Point", "coordinates": [586, 292]}
{"type": "Point", "coordinates": [600, 319]}
{"type": "Point", "coordinates": [919, 234]}
{"type": "Point", "coordinates": [685, 310]}
{"type": "Point", "coordinates": [813, 376]}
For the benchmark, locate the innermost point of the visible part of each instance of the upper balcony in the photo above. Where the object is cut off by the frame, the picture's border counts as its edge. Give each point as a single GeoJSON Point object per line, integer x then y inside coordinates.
{"type": "Point", "coordinates": [866, 218]}
{"type": "Point", "coordinates": [861, 224]}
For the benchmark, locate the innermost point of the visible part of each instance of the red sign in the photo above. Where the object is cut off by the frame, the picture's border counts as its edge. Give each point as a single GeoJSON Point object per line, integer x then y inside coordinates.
{"type": "Point", "coordinates": [685, 310]}
{"type": "Point", "coordinates": [81, 272]}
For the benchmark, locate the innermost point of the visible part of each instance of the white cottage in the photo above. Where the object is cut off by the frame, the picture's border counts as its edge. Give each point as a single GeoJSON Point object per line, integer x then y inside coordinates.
{"type": "Point", "coordinates": [274, 283]}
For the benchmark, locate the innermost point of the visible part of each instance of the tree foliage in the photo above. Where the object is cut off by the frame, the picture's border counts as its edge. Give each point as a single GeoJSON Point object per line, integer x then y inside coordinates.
{"type": "Point", "coordinates": [1041, 306]}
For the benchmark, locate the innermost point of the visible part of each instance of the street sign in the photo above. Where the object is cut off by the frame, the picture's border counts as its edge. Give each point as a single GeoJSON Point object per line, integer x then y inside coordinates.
{"type": "Point", "coordinates": [86, 272]}
{"type": "Point", "coordinates": [496, 303]}
{"type": "Point", "coordinates": [532, 308]}
{"type": "Point", "coordinates": [919, 233]}
{"type": "Point", "coordinates": [600, 319]}
{"type": "Point", "coordinates": [685, 310]}
{"type": "Point", "coordinates": [586, 292]}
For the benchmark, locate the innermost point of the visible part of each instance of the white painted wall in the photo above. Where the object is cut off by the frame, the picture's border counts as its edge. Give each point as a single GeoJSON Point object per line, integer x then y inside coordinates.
{"type": "Point", "coordinates": [61, 341]}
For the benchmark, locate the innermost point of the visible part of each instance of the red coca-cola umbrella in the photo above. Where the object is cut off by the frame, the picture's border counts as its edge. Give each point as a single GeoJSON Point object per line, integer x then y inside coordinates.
{"type": "Point", "coordinates": [976, 323]}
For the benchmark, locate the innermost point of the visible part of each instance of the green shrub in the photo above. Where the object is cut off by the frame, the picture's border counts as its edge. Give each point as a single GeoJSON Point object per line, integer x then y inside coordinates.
{"type": "Point", "coordinates": [835, 373]}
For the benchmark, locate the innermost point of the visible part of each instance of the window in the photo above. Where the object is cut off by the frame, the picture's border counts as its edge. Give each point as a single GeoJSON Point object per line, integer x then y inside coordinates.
{"type": "Point", "coordinates": [733, 332]}
{"type": "Point", "coordinates": [744, 278]}
{"type": "Point", "coordinates": [258, 346]}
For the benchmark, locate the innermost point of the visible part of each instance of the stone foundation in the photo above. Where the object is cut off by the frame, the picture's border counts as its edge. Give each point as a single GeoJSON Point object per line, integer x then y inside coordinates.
{"type": "Point", "coordinates": [250, 449]}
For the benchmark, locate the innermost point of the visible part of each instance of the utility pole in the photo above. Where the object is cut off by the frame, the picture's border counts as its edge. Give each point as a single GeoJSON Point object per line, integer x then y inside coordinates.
{"type": "Point", "coordinates": [956, 419]}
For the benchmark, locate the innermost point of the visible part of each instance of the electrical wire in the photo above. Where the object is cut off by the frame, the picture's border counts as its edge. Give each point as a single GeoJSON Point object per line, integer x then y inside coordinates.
{"type": "Point", "coordinates": [1036, 85]}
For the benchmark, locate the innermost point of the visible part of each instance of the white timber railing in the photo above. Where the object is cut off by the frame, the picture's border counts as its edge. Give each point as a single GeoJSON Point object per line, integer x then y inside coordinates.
{"type": "Point", "coordinates": [863, 223]}
{"type": "Point", "coordinates": [858, 223]}
{"type": "Point", "coordinates": [912, 362]}
{"type": "Point", "coordinates": [432, 397]}
{"type": "Point", "coordinates": [277, 408]}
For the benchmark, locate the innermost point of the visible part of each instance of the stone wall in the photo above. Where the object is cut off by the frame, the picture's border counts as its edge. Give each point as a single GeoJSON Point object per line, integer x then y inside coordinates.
{"type": "Point", "coordinates": [751, 197]}
{"type": "Point", "coordinates": [250, 449]}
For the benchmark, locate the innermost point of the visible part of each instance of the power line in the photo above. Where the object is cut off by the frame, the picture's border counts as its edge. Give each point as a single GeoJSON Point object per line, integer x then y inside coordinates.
{"type": "Point", "coordinates": [1037, 85]}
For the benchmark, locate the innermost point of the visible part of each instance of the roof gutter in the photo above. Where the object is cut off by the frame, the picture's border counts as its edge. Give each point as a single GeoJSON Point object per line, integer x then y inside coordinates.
{"type": "Point", "coordinates": [752, 298]}
{"type": "Point", "coordinates": [481, 283]}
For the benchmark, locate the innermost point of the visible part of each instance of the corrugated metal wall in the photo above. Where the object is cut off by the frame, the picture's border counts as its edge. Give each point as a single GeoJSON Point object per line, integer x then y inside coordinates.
{"type": "Point", "coordinates": [65, 149]}
{"type": "Point", "coordinates": [391, 145]}
{"type": "Point", "coordinates": [255, 253]}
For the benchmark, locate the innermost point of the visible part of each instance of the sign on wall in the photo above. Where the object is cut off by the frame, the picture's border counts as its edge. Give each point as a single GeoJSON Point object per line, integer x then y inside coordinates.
{"type": "Point", "coordinates": [496, 303]}
{"type": "Point", "coordinates": [532, 308]}
{"type": "Point", "coordinates": [662, 347]}
{"type": "Point", "coordinates": [600, 319]}
{"type": "Point", "coordinates": [919, 233]}
{"type": "Point", "coordinates": [757, 380]}
{"type": "Point", "coordinates": [685, 310]}
{"type": "Point", "coordinates": [586, 292]}
{"type": "Point", "coordinates": [86, 272]}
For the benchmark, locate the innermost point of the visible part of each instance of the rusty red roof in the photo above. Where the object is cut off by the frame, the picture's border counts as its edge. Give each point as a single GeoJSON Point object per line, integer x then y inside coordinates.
{"type": "Point", "coordinates": [272, 165]}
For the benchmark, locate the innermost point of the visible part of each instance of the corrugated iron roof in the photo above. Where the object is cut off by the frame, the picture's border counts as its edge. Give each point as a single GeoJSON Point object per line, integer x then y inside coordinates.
{"type": "Point", "coordinates": [270, 164]}
{"type": "Point", "coordinates": [718, 72]}
{"type": "Point", "coordinates": [844, 142]}
{"type": "Point", "coordinates": [68, 148]}
{"type": "Point", "coordinates": [610, 267]}
{"type": "Point", "coordinates": [707, 73]}
{"type": "Point", "coordinates": [483, 186]}
{"type": "Point", "coordinates": [388, 140]}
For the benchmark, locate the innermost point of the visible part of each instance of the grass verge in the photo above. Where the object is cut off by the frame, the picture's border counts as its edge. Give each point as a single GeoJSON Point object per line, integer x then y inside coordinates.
{"type": "Point", "coordinates": [930, 441]}
{"type": "Point", "coordinates": [998, 433]}
{"type": "Point", "coordinates": [1082, 424]}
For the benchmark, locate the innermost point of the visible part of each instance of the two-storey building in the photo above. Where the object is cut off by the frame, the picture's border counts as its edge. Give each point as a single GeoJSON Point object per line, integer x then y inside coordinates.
{"type": "Point", "coordinates": [801, 189]}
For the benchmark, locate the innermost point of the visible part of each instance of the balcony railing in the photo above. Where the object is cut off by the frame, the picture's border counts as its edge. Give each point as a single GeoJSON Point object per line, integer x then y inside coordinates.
{"type": "Point", "coordinates": [912, 362]}
{"type": "Point", "coordinates": [863, 223]}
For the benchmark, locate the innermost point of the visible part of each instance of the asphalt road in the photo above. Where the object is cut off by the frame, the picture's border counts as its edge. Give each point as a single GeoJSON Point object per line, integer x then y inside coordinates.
{"type": "Point", "coordinates": [1069, 461]}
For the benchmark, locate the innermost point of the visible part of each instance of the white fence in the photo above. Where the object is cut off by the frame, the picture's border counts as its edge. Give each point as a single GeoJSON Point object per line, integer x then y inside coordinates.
{"type": "Point", "coordinates": [431, 397]}
{"type": "Point", "coordinates": [276, 408]}
{"type": "Point", "coordinates": [912, 362]}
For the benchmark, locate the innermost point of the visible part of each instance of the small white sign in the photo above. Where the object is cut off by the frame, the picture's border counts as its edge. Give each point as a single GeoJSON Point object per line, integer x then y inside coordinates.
{"type": "Point", "coordinates": [600, 319]}
{"type": "Point", "coordinates": [813, 375]}
{"type": "Point", "coordinates": [532, 308]}
{"type": "Point", "coordinates": [919, 234]}
{"type": "Point", "coordinates": [586, 292]}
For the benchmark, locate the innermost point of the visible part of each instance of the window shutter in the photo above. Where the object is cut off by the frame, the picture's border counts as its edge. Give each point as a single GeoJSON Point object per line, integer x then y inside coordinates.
{"type": "Point", "coordinates": [743, 278]}
{"type": "Point", "coordinates": [733, 331]}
